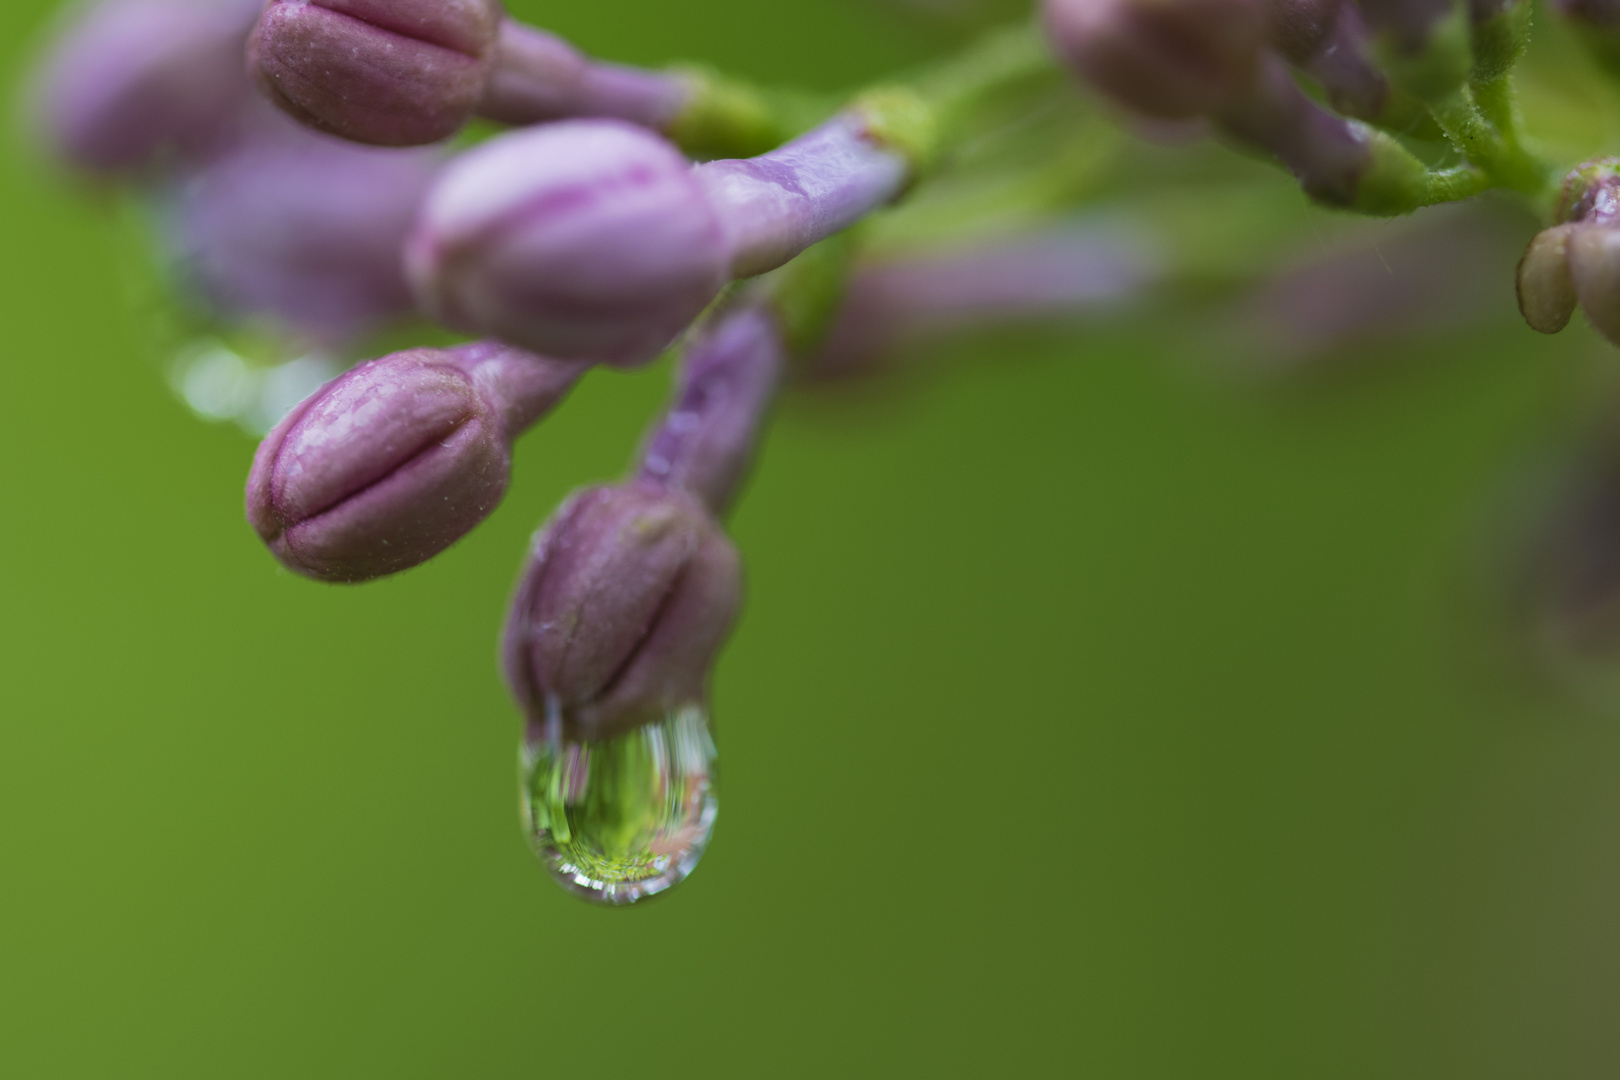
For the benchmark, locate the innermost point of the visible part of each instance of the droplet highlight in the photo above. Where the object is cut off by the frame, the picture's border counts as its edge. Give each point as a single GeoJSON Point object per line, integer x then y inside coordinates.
{"type": "Point", "coordinates": [621, 819]}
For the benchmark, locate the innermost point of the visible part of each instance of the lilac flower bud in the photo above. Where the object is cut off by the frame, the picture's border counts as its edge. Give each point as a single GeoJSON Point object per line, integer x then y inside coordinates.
{"type": "Point", "coordinates": [1171, 59]}
{"type": "Point", "coordinates": [586, 239]}
{"type": "Point", "coordinates": [299, 227]}
{"type": "Point", "coordinates": [1546, 292]}
{"type": "Point", "coordinates": [1338, 162]}
{"type": "Point", "coordinates": [394, 461]}
{"type": "Point", "coordinates": [1300, 28]}
{"type": "Point", "coordinates": [389, 72]}
{"type": "Point", "coordinates": [629, 593]}
{"type": "Point", "coordinates": [729, 377]}
{"type": "Point", "coordinates": [1578, 259]}
{"type": "Point", "coordinates": [1058, 270]}
{"type": "Point", "coordinates": [1329, 40]}
{"type": "Point", "coordinates": [134, 79]}
{"type": "Point", "coordinates": [1594, 269]}
{"type": "Point", "coordinates": [596, 239]}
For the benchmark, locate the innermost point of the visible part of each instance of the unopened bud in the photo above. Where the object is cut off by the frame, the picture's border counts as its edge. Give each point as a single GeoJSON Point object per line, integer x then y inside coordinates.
{"type": "Point", "coordinates": [597, 240]}
{"type": "Point", "coordinates": [1172, 59]}
{"type": "Point", "coordinates": [1546, 292]}
{"type": "Point", "coordinates": [1299, 28]}
{"type": "Point", "coordinates": [1594, 269]}
{"type": "Point", "coordinates": [729, 376]}
{"type": "Point", "coordinates": [388, 72]}
{"type": "Point", "coordinates": [627, 598]}
{"type": "Point", "coordinates": [392, 462]}
{"type": "Point", "coordinates": [133, 80]}
{"type": "Point", "coordinates": [303, 229]}
{"type": "Point", "coordinates": [587, 239]}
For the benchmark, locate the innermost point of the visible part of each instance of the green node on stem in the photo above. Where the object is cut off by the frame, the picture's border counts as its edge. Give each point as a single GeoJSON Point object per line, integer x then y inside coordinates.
{"type": "Point", "coordinates": [724, 117]}
{"type": "Point", "coordinates": [901, 119]}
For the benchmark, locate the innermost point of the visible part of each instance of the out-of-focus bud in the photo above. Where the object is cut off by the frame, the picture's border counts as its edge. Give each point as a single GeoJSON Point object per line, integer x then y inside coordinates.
{"type": "Point", "coordinates": [387, 72]}
{"type": "Point", "coordinates": [1579, 258]}
{"type": "Point", "coordinates": [587, 239]}
{"type": "Point", "coordinates": [1424, 44]}
{"type": "Point", "coordinates": [1594, 269]}
{"type": "Point", "coordinates": [1598, 24]}
{"type": "Point", "coordinates": [392, 462]}
{"type": "Point", "coordinates": [1057, 270]}
{"type": "Point", "coordinates": [729, 377]}
{"type": "Point", "coordinates": [1300, 28]}
{"type": "Point", "coordinates": [597, 240]}
{"type": "Point", "coordinates": [627, 598]}
{"type": "Point", "coordinates": [301, 228]}
{"type": "Point", "coordinates": [1546, 292]}
{"type": "Point", "coordinates": [132, 80]}
{"type": "Point", "coordinates": [1338, 162]}
{"type": "Point", "coordinates": [1171, 59]}
{"type": "Point", "coordinates": [1328, 39]}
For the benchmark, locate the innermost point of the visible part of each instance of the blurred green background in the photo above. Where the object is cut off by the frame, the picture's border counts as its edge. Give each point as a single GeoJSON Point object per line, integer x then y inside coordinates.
{"type": "Point", "coordinates": [1092, 715]}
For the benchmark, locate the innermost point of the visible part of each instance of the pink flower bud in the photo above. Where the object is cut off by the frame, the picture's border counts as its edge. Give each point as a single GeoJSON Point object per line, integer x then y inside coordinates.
{"type": "Point", "coordinates": [392, 462]}
{"type": "Point", "coordinates": [629, 593]}
{"type": "Point", "coordinates": [597, 240]}
{"type": "Point", "coordinates": [585, 239]}
{"type": "Point", "coordinates": [388, 72]}
{"type": "Point", "coordinates": [135, 79]}
{"type": "Point", "coordinates": [1171, 59]}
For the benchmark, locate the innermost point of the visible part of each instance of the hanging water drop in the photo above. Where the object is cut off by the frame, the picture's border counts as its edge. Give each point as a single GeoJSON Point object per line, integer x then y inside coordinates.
{"type": "Point", "coordinates": [624, 818]}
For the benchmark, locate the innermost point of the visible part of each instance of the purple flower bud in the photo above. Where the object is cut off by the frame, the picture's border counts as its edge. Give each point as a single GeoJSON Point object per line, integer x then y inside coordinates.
{"type": "Point", "coordinates": [597, 240]}
{"type": "Point", "coordinates": [135, 79]}
{"type": "Point", "coordinates": [729, 377]}
{"type": "Point", "coordinates": [1171, 59]}
{"type": "Point", "coordinates": [389, 72]}
{"type": "Point", "coordinates": [1546, 292]}
{"type": "Point", "coordinates": [1299, 29]}
{"type": "Point", "coordinates": [586, 239]}
{"type": "Point", "coordinates": [628, 595]}
{"type": "Point", "coordinates": [1579, 258]}
{"type": "Point", "coordinates": [394, 461]}
{"type": "Point", "coordinates": [300, 227]}
{"type": "Point", "coordinates": [1058, 270]}
{"type": "Point", "coordinates": [1329, 40]}
{"type": "Point", "coordinates": [1594, 270]}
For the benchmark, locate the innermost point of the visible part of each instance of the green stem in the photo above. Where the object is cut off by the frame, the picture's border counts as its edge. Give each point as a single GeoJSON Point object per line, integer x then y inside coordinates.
{"type": "Point", "coordinates": [1455, 185]}
{"type": "Point", "coordinates": [1487, 132]}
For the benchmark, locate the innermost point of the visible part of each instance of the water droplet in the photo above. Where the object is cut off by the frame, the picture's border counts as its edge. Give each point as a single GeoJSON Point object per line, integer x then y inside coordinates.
{"type": "Point", "coordinates": [624, 818]}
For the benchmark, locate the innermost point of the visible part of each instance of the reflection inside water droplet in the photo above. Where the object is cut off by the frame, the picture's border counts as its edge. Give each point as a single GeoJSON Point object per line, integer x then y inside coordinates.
{"type": "Point", "coordinates": [622, 818]}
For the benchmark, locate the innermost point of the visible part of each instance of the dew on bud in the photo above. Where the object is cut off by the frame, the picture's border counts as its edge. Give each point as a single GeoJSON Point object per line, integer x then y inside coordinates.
{"type": "Point", "coordinates": [623, 818]}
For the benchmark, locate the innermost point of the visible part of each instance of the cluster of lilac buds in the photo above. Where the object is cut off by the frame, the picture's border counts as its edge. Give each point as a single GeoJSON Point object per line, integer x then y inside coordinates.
{"type": "Point", "coordinates": [1577, 260]}
{"type": "Point", "coordinates": [308, 170]}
